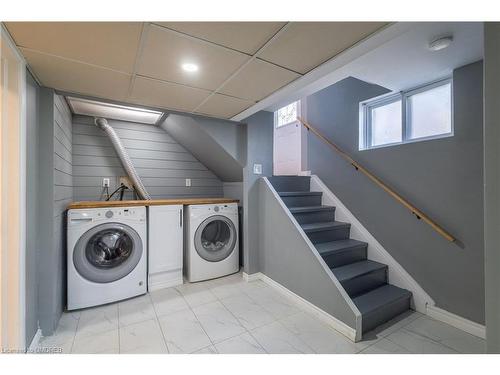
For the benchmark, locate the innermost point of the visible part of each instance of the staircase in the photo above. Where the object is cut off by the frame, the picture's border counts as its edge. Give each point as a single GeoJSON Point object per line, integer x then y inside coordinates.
{"type": "Point", "coordinates": [364, 280]}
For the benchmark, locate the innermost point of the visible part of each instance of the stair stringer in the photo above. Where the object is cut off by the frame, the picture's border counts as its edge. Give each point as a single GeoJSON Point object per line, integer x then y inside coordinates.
{"type": "Point", "coordinates": [353, 333]}
{"type": "Point", "coordinates": [397, 275]}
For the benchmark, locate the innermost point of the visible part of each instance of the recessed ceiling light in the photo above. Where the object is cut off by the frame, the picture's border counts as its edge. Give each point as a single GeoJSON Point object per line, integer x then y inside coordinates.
{"type": "Point", "coordinates": [440, 43]}
{"type": "Point", "coordinates": [190, 67]}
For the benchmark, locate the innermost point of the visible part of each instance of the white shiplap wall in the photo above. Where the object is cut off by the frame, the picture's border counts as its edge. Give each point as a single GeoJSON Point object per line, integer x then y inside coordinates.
{"type": "Point", "coordinates": [161, 162]}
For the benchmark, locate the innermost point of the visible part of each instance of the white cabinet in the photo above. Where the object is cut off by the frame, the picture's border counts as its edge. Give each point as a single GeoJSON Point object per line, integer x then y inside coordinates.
{"type": "Point", "coordinates": [165, 246]}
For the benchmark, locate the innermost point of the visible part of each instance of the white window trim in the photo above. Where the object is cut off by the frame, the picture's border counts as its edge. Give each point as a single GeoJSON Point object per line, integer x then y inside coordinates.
{"type": "Point", "coordinates": [366, 108]}
{"type": "Point", "coordinates": [299, 113]}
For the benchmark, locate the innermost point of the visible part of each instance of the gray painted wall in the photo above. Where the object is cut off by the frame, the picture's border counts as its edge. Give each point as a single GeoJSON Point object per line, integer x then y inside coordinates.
{"type": "Point", "coordinates": [285, 257]}
{"type": "Point", "coordinates": [162, 163]}
{"type": "Point", "coordinates": [259, 150]}
{"type": "Point", "coordinates": [55, 191]}
{"type": "Point", "coordinates": [32, 198]}
{"type": "Point", "coordinates": [220, 144]}
{"type": "Point", "coordinates": [492, 182]}
{"type": "Point", "coordinates": [441, 177]}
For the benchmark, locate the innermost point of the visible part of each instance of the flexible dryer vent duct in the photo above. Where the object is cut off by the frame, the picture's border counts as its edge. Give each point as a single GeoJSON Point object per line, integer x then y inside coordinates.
{"type": "Point", "coordinates": [102, 123]}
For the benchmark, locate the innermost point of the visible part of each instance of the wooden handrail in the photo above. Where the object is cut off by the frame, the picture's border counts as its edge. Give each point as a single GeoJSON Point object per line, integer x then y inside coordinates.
{"type": "Point", "coordinates": [415, 211]}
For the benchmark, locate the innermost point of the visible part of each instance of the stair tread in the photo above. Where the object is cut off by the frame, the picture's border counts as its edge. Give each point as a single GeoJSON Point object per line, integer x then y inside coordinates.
{"type": "Point", "coordinates": [325, 248]}
{"type": "Point", "coordinates": [374, 299]}
{"type": "Point", "coordinates": [350, 271]}
{"type": "Point", "coordinates": [302, 209]}
{"type": "Point", "coordinates": [327, 225]}
{"type": "Point", "coordinates": [298, 193]}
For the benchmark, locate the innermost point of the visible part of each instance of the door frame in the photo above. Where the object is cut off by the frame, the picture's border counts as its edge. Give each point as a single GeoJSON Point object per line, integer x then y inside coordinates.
{"type": "Point", "coordinates": [13, 304]}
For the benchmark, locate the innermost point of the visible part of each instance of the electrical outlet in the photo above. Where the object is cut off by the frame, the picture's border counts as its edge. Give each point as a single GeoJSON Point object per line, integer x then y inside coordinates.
{"type": "Point", "coordinates": [257, 169]}
{"type": "Point", "coordinates": [105, 182]}
{"type": "Point", "coordinates": [188, 182]}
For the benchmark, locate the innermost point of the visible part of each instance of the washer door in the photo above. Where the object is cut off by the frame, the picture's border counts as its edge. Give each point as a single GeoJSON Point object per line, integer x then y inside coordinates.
{"type": "Point", "coordinates": [215, 238]}
{"type": "Point", "coordinates": [107, 252]}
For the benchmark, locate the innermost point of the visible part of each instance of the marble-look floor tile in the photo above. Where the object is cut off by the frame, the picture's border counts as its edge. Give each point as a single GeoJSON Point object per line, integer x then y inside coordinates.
{"type": "Point", "coordinates": [384, 346]}
{"type": "Point", "coordinates": [318, 336]}
{"type": "Point", "coordinates": [273, 302]}
{"type": "Point", "coordinates": [183, 332]}
{"type": "Point", "coordinates": [168, 301]}
{"type": "Point", "coordinates": [242, 344]}
{"type": "Point", "coordinates": [196, 294]}
{"type": "Point", "coordinates": [217, 321]}
{"type": "Point", "coordinates": [248, 312]}
{"type": "Point", "coordinates": [142, 338]}
{"type": "Point", "coordinates": [135, 310]}
{"type": "Point", "coordinates": [228, 286]}
{"type": "Point", "coordinates": [252, 285]}
{"type": "Point", "coordinates": [98, 320]}
{"type": "Point", "coordinates": [208, 350]}
{"type": "Point", "coordinates": [417, 344]}
{"type": "Point", "coordinates": [61, 341]}
{"type": "Point", "coordinates": [447, 335]}
{"type": "Point", "coordinates": [103, 343]}
{"type": "Point", "coordinates": [275, 338]}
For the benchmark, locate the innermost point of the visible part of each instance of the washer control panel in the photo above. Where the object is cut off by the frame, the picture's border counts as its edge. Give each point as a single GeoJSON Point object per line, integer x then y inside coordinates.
{"type": "Point", "coordinates": [82, 216]}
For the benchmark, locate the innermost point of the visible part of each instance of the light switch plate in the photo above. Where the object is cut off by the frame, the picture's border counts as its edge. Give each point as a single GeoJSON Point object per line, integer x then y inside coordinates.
{"type": "Point", "coordinates": [257, 169]}
{"type": "Point", "coordinates": [188, 182]}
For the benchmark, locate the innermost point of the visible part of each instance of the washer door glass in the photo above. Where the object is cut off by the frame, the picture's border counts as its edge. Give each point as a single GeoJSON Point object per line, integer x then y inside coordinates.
{"type": "Point", "coordinates": [215, 238]}
{"type": "Point", "coordinates": [107, 252]}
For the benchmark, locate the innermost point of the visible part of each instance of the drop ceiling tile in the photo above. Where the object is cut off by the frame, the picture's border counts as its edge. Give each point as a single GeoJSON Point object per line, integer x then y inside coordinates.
{"type": "Point", "coordinates": [257, 80]}
{"type": "Point", "coordinates": [167, 95]}
{"type": "Point", "coordinates": [305, 45]}
{"type": "Point", "coordinates": [246, 37]}
{"type": "Point", "coordinates": [109, 44]}
{"type": "Point", "coordinates": [76, 77]}
{"type": "Point", "coordinates": [224, 106]}
{"type": "Point", "coordinates": [165, 51]}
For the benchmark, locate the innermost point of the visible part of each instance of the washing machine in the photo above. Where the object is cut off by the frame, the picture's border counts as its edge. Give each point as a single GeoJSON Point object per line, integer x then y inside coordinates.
{"type": "Point", "coordinates": [211, 241]}
{"type": "Point", "coordinates": [107, 255]}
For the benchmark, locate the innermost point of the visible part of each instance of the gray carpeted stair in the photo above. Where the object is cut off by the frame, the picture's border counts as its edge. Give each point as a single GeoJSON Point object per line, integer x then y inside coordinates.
{"type": "Point", "coordinates": [364, 280]}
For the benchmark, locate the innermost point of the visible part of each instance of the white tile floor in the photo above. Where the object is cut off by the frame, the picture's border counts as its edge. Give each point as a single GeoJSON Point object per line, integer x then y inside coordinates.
{"type": "Point", "coordinates": [229, 315]}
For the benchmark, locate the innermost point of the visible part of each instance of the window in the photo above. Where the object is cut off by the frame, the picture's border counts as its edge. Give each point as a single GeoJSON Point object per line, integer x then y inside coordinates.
{"type": "Point", "coordinates": [417, 114]}
{"type": "Point", "coordinates": [287, 115]}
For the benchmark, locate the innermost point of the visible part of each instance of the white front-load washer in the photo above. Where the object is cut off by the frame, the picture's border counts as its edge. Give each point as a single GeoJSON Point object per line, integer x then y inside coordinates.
{"type": "Point", "coordinates": [211, 242]}
{"type": "Point", "coordinates": [107, 255]}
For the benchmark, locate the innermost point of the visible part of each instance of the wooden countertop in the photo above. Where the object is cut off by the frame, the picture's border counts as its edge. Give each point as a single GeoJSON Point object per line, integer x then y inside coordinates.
{"type": "Point", "coordinates": [154, 202]}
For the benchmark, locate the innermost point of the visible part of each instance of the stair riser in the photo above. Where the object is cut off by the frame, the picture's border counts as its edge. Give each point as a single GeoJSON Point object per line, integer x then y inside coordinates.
{"type": "Point", "coordinates": [365, 283]}
{"type": "Point", "coordinates": [290, 183]}
{"type": "Point", "coordinates": [329, 235]}
{"type": "Point", "coordinates": [314, 217]}
{"type": "Point", "coordinates": [345, 257]}
{"type": "Point", "coordinates": [384, 314]}
{"type": "Point", "coordinates": [301, 201]}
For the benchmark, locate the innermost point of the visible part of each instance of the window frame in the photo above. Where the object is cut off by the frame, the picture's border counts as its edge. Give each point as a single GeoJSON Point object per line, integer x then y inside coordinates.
{"type": "Point", "coordinates": [367, 107]}
{"type": "Point", "coordinates": [299, 111]}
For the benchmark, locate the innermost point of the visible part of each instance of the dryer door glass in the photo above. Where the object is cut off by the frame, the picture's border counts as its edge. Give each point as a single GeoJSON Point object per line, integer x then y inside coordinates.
{"type": "Point", "coordinates": [107, 252]}
{"type": "Point", "coordinates": [215, 238]}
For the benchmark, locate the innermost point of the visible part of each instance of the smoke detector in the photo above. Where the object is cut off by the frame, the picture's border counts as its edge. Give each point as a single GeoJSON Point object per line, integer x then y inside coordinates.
{"type": "Point", "coordinates": [440, 43]}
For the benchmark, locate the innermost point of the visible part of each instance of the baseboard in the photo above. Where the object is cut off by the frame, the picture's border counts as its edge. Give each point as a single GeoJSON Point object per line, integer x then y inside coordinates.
{"type": "Point", "coordinates": [326, 318]}
{"type": "Point", "coordinates": [35, 341]}
{"type": "Point", "coordinates": [251, 277]}
{"type": "Point", "coordinates": [164, 280]}
{"type": "Point", "coordinates": [456, 321]}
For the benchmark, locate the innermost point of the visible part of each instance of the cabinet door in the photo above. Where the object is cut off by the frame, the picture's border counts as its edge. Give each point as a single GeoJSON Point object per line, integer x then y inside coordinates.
{"type": "Point", "coordinates": [165, 238]}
